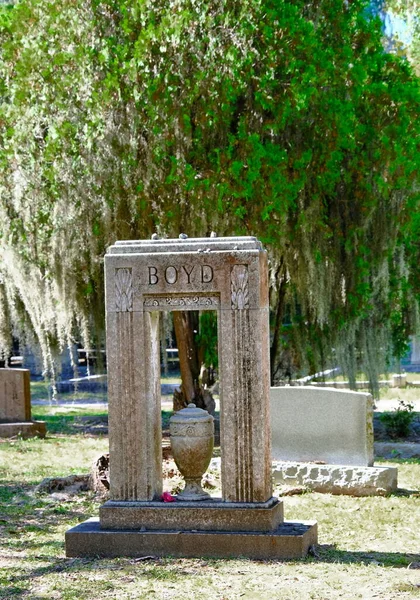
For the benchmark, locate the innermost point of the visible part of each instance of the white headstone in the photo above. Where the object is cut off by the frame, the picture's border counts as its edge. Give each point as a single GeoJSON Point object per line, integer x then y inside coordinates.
{"type": "Point", "coordinates": [321, 424]}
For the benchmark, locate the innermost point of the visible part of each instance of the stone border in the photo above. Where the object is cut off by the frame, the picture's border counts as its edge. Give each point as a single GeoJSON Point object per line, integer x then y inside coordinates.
{"type": "Point", "coordinates": [397, 450]}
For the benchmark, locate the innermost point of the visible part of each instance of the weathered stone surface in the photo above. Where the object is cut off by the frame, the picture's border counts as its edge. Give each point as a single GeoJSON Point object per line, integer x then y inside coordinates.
{"type": "Point", "coordinates": [25, 430]}
{"type": "Point", "coordinates": [337, 479]}
{"type": "Point", "coordinates": [143, 278]}
{"type": "Point", "coordinates": [15, 395]}
{"type": "Point", "coordinates": [15, 406]}
{"type": "Point", "coordinates": [322, 424]}
{"type": "Point", "coordinates": [212, 515]}
{"type": "Point", "coordinates": [290, 540]}
{"type": "Point", "coordinates": [399, 380]}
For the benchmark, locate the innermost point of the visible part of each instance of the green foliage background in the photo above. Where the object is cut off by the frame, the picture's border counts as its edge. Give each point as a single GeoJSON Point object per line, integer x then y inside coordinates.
{"type": "Point", "coordinates": [281, 119]}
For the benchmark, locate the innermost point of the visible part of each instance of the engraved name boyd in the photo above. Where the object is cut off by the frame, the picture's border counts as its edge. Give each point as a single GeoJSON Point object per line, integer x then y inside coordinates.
{"type": "Point", "coordinates": [184, 274]}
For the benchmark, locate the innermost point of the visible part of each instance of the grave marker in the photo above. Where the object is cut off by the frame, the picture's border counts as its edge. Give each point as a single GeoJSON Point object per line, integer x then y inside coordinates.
{"type": "Point", "coordinates": [15, 405]}
{"type": "Point", "coordinates": [144, 278]}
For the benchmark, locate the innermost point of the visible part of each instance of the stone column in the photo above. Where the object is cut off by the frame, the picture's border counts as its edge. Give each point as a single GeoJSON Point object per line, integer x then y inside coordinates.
{"type": "Point", "coordinates": [244, 374]}
{"type": "Point", "coordinates": [134, 394]}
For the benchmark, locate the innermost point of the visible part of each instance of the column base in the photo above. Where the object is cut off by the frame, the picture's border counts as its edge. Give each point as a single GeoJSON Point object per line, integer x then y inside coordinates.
{"type": "Point", "coordinates": [208, 515]}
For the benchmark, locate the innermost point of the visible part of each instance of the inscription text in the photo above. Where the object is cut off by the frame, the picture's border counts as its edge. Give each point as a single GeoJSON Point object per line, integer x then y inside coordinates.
{"type": "Point", "coordinates": [184, 274]}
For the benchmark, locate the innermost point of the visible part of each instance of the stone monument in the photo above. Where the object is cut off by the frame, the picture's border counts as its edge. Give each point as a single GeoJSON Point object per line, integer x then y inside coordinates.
{"type": "Point", "coordinates": [144, 278]}
{"type": "Point", "coordinates": [322, 439]}
{"type": "Point", "coordinates": [15, 405]}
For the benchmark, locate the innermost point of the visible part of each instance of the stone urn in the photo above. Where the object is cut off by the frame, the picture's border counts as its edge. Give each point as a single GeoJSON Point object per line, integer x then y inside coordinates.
{"type": "Point", "coordinates": [192, 440]}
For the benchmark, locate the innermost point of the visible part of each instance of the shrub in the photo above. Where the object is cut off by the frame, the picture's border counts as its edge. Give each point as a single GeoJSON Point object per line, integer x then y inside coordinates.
{"type": "Point", "coordinates": [397, 423]}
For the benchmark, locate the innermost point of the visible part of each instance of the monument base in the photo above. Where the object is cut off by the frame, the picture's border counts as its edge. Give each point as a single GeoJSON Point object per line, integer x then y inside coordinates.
{"type": "Point", "coordinates": [209, 515]}
{"type": "Point", "coordinates": [26, 429]}
{"type": "Point", "coordinates": [290, 540]}
{"type": "Point", "coordinates": [337, 479]}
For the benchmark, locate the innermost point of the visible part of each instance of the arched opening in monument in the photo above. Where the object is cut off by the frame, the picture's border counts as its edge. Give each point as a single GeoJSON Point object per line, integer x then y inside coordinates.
{"type": "Point", "coordinates": [189, 373]}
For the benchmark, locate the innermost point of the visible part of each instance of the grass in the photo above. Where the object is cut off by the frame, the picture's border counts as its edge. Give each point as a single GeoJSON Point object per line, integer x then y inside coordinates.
{"type": "Point", "coordinates": [407, 394]}
{"type": "Point", "coordinates": [368, 546]}
{"type": "Point", "coordinates": [70, 420]}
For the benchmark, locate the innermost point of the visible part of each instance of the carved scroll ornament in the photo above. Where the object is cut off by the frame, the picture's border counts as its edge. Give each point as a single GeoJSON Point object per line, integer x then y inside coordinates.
{"type": "Point", "coordinates": [123, 290]}
{"type": "Point", "coordinates": [239, 287]}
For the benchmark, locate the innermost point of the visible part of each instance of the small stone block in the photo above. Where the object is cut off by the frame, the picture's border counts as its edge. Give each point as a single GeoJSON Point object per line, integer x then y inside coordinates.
{"type": "Point", "coordinates": [24, 430]}
{"type": "Point", "coordinates": [15, 395]}
{"type": "Point", "coordinates": [185, 516]}
{"type": "Point", "coordinates": [290, 541]}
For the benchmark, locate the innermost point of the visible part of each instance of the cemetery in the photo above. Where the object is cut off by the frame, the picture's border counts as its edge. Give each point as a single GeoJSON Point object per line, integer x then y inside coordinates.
{"type": "Point", "coordinates": [288, 462]}
{"type": "Point", "coordinates": [209, 300]}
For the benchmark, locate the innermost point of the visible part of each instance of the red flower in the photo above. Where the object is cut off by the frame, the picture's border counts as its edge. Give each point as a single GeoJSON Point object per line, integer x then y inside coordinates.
{"type": "Point", "coordinates": [167, 497]}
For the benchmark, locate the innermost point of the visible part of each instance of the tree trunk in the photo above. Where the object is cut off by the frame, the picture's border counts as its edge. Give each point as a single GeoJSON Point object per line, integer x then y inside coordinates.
{"type": "Point", "coordinates": [279, 313]}
{"type": "Point", "coordinates": [186, 324]}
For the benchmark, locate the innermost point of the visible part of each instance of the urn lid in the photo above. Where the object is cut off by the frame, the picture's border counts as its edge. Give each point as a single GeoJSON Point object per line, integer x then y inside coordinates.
{"type": "Point", "coordinates": [191, 412]}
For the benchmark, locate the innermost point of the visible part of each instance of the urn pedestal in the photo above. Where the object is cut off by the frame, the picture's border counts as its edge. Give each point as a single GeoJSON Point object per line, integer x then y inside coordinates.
{"type": "Point", "coordinates": [192, 441]}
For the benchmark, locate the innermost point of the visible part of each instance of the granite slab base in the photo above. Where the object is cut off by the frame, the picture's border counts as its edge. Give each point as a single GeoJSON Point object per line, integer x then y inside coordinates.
{"type": "Point", "coordinates": [25, 429]}
{"type": "Point", "coordinates": [291, 540]}
{"type": "Point", "coordinates": [337, 479]}
{"type": "Point", "coordinates": [211, 515]}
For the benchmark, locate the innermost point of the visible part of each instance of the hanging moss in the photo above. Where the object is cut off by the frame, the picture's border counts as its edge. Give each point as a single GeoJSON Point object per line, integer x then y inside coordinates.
{"type": "Point", "coordinates": [280, 119]}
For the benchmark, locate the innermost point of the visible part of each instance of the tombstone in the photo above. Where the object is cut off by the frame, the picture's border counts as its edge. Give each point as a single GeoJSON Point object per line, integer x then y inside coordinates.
{"type": "Point", "coordinates": [415, 350]}
{"type": "Point", "coordinates": [411, 361]}
{"type": "Point", "coordinates": [399, 380]}
{"type": "Point", "coordinates": [322, 438]}
{"type": "Point", "coordinates": [32, 360]}
{"type": "Point", "coordinates": [15, 405]}
{"type": "Point", "coordinates": [144, 278]}
{"type": "Point", "coordinates": [322, 424]}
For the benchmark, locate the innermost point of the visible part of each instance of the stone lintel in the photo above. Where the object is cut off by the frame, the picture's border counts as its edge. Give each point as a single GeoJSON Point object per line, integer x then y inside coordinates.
{"type": "Point", "coordinates": [337, 479]}
{"type": "Point", "coordinates": [24, 430]}
{"type": "Point", "coordinates": [187, 516]}
{"type": "Point", "coordinates": [290, 541]}
{"type": "Point", "coordinates": [176, 245]}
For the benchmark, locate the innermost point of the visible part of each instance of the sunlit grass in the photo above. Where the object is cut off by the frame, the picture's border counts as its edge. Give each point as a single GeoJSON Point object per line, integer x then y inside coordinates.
{"type": "Point", "coordinates": [366, 544]}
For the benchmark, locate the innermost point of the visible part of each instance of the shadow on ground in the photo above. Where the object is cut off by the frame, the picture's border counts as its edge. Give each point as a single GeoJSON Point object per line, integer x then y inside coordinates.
{"type": "Point", "coordinates": [331, 554]}
{"type": "Point", "coordinates": [324, 553]}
